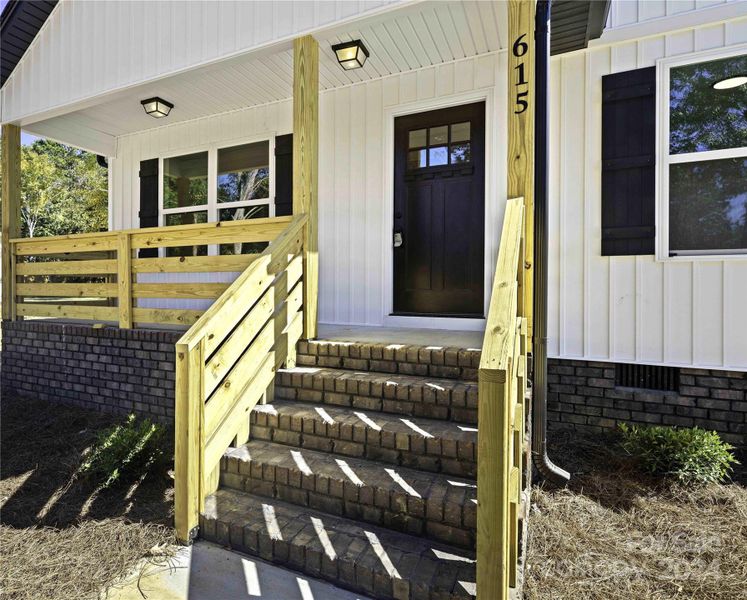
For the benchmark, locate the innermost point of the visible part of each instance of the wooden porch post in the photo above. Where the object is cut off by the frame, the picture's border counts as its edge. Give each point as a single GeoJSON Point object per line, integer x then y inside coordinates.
{"type": "Point", "coordinates": [306, 166]}
{"type": "Point", "coordinates": [11, 218]}
{"type": "Point", "coordinates": [521, 136]}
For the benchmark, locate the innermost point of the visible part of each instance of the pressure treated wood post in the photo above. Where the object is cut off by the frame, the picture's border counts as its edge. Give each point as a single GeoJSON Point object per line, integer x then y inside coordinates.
{"type": "Point", "coordinates": [521, 108]}
{"type": "Point", "coordinates": [124, 280]}
{"type": "Point", "coordinates": [11, 213]}
{"type": "Point", "coordinates": [306, 166]}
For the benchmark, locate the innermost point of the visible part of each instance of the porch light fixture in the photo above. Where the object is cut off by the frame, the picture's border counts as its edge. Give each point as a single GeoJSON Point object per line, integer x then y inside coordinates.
{"type": "Point", "coordinates": [351, 55]}
{"type": "Point", "coordinates": [157, 107]}
{"type": "Point", "coordinates": [730, 82]}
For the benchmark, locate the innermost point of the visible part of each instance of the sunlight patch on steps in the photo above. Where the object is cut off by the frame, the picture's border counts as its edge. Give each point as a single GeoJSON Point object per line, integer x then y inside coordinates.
{"type": "Point", "coordinates": [435, 386]}
{"type": "Point", "coordinates": [461, 484]}
{"type": "Point", "coordinates": [305, 589]}
{"type": "Point", "coordinates": [301, 463]}
{"type": "Point", "coordinates": [321, 533]}
{"type": "Point", "coordinates": [266, 408]}
{"type": "Point", "coordinates": [363, 417]}
{"type": "Point", "coordinates": [301, 370]}
{"type": "Point", "coordinates": [252, 577]}
{"type": "Point", "coordinates": [416, 429]}
{"type": "Point", "coordinates": [271, 522]}
{"type": "Point", "coordinates": [453, 557]}
{"type": "Point", "coordinates": [324, 415]}
{"type": "Point", "coordinates": [463, 428]}
{"type": "Point", "coordinates": [347, 469]}
{"type": "Point", "coordinates": [470, 587]}
{"type": "Point", "coordinates": [378, 548]}
{"type": "Point", "coordinates": [402, 483]}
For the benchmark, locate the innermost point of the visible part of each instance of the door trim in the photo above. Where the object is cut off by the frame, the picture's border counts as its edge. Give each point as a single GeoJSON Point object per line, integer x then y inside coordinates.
{"type": "Point", "coordinates": [491, 228]}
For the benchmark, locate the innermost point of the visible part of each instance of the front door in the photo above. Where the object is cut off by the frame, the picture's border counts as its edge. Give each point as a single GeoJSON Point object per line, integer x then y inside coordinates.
{"type": "Point", "coordinates": [439, 212]}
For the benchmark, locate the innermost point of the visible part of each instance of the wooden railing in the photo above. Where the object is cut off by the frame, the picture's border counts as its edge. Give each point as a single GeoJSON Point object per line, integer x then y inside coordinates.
{"type": "Point", "coordinates": [95, 276]}
{"type": "Point", "coordinates": [501, 410]}
{"type": "Point", "coordinates": [226, 363]}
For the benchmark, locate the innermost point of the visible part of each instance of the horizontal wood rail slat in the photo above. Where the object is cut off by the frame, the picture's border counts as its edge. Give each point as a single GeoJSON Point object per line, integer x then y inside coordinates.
{"type": "Point", "coordinates": [193, 264]}
{"type": "Point", "coordinates": [178, 290]}
{"type": "Point", "coordinates": [67, 290]}
{"type": "Point", "coordinates": [67, 311]}
{"type": "Point", "coordinates": [166, 316]}
{"type": "Point", "coordinates": [68, 267]}
{"type": "Point", "coordinates": [50, 245]}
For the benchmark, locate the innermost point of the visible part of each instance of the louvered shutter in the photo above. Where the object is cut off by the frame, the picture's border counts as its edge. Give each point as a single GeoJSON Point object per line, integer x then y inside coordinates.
{"type": "Point", "coordinates": [148, 200]}
{"type": "Point", "coordinates": [284, 175]}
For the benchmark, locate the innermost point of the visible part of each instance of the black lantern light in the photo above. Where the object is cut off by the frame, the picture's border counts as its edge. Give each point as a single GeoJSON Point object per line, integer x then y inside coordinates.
{"type": "Point", "coordinates": [157, 107]}
{"type": "Point", "coordinates": [351, 55]}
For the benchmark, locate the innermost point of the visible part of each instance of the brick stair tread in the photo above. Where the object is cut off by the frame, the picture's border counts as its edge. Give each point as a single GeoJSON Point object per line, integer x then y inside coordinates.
{"type": "Point", "coordinates": [430, 397]}
{"type": "Point", "coordinates": [426, 444]}
{"type": "Point", "coordinates": [441, 507]}
{"type": "Point", "coordinates": [365, 558]}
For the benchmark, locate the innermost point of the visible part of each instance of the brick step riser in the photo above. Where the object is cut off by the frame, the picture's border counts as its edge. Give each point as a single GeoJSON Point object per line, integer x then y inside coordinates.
{"type": "Point", "coordinates": [412, 401]}
{"type": "Point", "coordinates": [447, 363]}
{"type": "Point", "coordinates": [446, 522]}
{"type": "Point", "coordinates": [414, 451]}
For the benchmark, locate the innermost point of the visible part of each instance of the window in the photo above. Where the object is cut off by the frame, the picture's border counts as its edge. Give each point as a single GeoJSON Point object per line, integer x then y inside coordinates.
{"type": "Point", "coordinates": [240, 187]}
{"type": "Point", "coordinates": [703, 149]}
{"type": "Point", "coordinates": [439, 146]}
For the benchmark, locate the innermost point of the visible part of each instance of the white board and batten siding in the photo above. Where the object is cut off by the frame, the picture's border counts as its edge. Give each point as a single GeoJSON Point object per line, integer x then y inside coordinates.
{"type": "Point", "coordinates": [354, 159]}
{"type": "Point", "coordinates": [628, 308]}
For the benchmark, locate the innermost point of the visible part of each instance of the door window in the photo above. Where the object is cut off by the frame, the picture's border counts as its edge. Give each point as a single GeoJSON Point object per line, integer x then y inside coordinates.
{"type": "Point", "coordinates": [439, 146]}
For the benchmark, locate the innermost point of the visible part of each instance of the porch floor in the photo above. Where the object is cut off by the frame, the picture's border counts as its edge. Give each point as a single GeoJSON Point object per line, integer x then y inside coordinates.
{"type": "Point", "coordinates": [400, 335]}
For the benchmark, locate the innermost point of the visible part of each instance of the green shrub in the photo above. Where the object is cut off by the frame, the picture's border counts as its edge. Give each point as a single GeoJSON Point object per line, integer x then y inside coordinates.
{"type": "Point", "coordinates": [688, 455]}
{"type": "Point", "coordinates": [124, 452]}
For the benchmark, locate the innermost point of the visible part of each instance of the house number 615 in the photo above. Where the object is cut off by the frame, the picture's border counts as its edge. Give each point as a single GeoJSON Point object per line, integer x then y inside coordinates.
{"type": "Point", "coordinates": [520, 49]}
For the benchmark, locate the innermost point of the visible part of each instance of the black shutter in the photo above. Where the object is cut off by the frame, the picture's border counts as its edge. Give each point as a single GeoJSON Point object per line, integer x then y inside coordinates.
{"type": "Point", "coordinates": [148, 200]}
{"type": "Point", "coordinates": [284, 175]}
{"type": "Point", "coordinates": [628, 162]}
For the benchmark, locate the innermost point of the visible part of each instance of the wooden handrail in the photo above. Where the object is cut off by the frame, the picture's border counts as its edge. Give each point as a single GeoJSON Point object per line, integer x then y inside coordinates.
{"type": "Point", "coordinates": [501, 413]}
{"type": "Point", "coordinates": [227, 361]}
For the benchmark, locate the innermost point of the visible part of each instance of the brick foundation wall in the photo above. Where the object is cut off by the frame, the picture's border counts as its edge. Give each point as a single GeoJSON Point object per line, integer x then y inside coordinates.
{"type": "Point", "coordinates": [108, 369]}
{"type": "Point", "coordinates": [582, 394]}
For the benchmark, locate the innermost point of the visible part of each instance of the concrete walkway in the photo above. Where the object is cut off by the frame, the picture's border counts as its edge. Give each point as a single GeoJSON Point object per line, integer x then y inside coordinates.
{"type": "Point", "coordinates": [205, 571]}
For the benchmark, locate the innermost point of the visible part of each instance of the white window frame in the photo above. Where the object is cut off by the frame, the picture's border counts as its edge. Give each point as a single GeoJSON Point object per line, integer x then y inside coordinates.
{"type": "Point", "coordinates": [664, 159]}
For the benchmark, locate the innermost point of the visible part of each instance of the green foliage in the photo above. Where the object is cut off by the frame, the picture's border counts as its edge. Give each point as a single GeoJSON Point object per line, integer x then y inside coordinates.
{"type": "Point", "coordinates": [691, 456]}
{"type": "Point", "coordinates": [125, 452]}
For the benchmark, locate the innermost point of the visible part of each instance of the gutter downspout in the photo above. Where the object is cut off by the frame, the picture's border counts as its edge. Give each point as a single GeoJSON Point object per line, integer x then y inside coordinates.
{"type": "Point", "coordinates": [544, 465]}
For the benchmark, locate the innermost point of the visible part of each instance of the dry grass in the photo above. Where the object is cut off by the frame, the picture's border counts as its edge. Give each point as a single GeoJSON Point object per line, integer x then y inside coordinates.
{"type": "Point", "coordinates": [615, 534]}
{"type": "Point", "coordinates": [59, 538]}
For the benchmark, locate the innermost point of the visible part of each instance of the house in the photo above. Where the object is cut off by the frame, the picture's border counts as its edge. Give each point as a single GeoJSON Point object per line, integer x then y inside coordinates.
{"type": "Point", "coordinates": [348, 191]}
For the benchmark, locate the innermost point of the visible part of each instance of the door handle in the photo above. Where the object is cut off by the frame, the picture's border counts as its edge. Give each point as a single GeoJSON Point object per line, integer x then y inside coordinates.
{"type": "Point", "coordinates": [398, 239]}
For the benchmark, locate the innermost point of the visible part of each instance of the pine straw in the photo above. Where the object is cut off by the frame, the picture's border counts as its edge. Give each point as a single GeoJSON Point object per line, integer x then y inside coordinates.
{"type": "Point", "coordinates": [615, 534]}
{"type": "Point", "coordinates": [59, 538]}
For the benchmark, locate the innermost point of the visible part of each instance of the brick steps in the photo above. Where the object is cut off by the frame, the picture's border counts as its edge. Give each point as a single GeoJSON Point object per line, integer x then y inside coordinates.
{"type": "Point", "coordinates": [424, 504]}
{"type": "Point", "coordinates": [367, 559]}
{"type": "Point", "coordinates": [429, 397]}
{"type": "Point", "coordinates": [405, 359]}
{"type": "Point", "coordinates": [424, 444]}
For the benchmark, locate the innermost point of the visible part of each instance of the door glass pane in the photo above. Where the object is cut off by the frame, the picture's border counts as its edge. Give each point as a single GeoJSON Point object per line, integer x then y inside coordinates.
{"type": "Point", "coordinates": [438, 156]}
{"type": "Point", "coordinates": [460, 132]}
{"type": "Point", "coordinates": [244, 172]}
{"type": "Point", "coordinates": [186, 218]}
{"type": "Point", "coordinates": [461, 153]}
{"type": "Point", "coordinates": [701, 117]}
{"type": "Point", "coordinates": [708, 205]}
{"type": "Point", "coordinates": [439, 135]}
{"type": "Point", "coordinates": [416, 159]}
{"type": "Point", "coordinates": [185, 180]}
{"type": "Point", "coordinates": [417, 138]}
{"type": "Point", "coordinates": [240, 214]}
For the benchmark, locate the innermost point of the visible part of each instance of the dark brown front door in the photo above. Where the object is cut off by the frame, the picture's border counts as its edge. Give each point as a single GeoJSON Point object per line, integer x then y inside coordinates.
{"type": "Point", "coordinates": [439, 212]}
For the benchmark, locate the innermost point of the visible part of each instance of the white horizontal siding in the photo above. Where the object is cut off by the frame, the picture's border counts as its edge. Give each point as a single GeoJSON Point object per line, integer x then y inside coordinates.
{"type": "Point", "coordinates": [629, 308]}
{"type": "Point", "coordinates": [630, 12]}
{"type": "Point", "coordinates": [352, 198]}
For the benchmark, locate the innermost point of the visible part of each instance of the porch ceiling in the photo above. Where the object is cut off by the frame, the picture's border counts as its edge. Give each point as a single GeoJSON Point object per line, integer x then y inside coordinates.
{"type": "Point", "coordinates": [416, 35]}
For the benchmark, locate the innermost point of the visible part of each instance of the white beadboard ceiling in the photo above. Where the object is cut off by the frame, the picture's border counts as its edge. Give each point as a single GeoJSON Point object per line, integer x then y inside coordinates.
{"type": "Point", "coordinates": [413, 36]}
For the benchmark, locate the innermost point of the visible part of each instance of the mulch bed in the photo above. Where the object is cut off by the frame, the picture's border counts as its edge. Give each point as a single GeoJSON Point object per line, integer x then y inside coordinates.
{"type": "Point", "coordinates": [614, 533]}
{"type": "Point", "coordinates": [59, 537]}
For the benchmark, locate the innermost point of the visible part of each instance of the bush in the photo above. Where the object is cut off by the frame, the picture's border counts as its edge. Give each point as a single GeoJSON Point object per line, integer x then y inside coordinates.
{"type": "Point", "coordinates": [689, 455]}
{"type": "Point", "coordinates": [125, 452]}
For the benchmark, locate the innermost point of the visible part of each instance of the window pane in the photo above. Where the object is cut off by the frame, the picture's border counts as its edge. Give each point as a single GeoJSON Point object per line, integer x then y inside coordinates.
{"type": "Point", "coordinates": [439, 135]}
{"type": "Point", "coordinates": [416, 159]}
{"type": "Point", "coordinates": [244, 172]}
{"type": "Point", "coordinates": [461, 153]}
{"type": "Point", "coordinates": [460, 132]}
{"type": "Point", "coordinates": [708, 205]}
{"type": "Point", "coordinates": [702, 118]}
{"type": "Point", "coordinates": [239, 214]}
{"type": "Point", "coordinates": [186, 218]}
{"type": "Point", "coordinates": [417, 138]}
{"type": "Point", "coordinates": [438, 156]}
{"type": "Point", "coordinates": [185, 180]}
